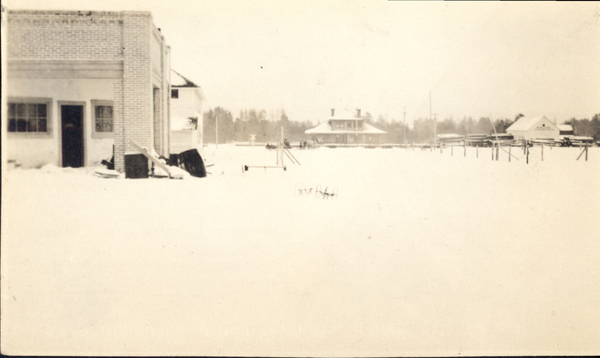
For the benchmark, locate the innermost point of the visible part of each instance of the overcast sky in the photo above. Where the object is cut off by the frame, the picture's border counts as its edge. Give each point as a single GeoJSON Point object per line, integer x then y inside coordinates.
{"type": "Point", "coordinates": [477, 59]}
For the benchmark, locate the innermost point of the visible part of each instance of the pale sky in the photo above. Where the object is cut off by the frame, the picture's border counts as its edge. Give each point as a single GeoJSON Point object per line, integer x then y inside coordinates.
{"type": "Point", "coordinates": [476, 58]}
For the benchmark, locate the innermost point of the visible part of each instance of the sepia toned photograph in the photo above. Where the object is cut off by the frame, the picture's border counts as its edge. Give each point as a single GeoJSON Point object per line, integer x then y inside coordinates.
{"type": "Point", "coordinates": [324, 178]}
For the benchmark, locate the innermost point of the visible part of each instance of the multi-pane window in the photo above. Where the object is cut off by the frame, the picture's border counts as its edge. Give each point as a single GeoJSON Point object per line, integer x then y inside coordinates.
{"type": "Point", "coordinates": [28, 117]}
{"type": "Point", "coordinates": [103, 118]}
{"type": "Point", "coordinates": [174, 93]}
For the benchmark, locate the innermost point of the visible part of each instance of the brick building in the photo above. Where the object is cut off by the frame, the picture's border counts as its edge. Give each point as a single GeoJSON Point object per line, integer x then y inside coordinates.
{"type": "Point", "coordinates": [80, 83]}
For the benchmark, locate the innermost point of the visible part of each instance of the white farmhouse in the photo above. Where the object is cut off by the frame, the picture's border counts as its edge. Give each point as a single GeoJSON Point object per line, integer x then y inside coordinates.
{"type": "Point", "coordinates": [186, 114]}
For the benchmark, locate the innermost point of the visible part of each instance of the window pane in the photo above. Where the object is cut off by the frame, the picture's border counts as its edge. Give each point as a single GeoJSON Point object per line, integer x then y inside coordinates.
{"type": "Point", "coordinates": [31, 109]}
{"type": "Point", "coordinates": [12, 125]}
{"type": "Point", "coordinates": [12, 110]}
{"type": "Point", "coordinates": [32, 124]}
{"type": "Point", "coordinates": [41, 110]}
{"type": "Point", "coordinates": [110, 126]}
{"type": "Point", "coordinates": [99, 125]}
{"type": "Point", "coordinates": [21, 110]}
{"type": "Point", "coordinates": [21, 125]}
{"type": "Point", "coordinates": [107, 111]}
{"type": "Point", "coordinates": [42, 124]}
{"type": "Point", "coordinates": [99, 112]}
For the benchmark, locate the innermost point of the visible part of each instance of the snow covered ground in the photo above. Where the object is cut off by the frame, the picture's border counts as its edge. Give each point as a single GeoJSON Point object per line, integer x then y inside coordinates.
{"type": "Point", "coordinates": [420, 252]}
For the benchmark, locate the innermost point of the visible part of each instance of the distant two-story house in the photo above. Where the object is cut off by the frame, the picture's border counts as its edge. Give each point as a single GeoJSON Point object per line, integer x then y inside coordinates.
{"type": "Point", "coordinates": [346, 128]}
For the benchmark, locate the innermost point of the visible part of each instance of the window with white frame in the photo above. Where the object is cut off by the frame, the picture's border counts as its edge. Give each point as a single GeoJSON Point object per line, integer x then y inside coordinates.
{"type": "Point", "coordinates": [29, 115]}
{"type": "Point", "coordinates": [103, 117]}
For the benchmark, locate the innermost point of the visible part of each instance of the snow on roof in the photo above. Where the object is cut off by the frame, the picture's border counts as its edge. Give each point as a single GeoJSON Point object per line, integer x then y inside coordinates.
{"type": "Point", "coordinates": [565, 127]}
{"type": "Point", "coordinates": [449, 136]}
{"type": "Point", "coordinates": [525, 123]}
{"type": "Point", "coordinates": [325, 128]}
{"type": "Point", "coordinates": [177, 80]}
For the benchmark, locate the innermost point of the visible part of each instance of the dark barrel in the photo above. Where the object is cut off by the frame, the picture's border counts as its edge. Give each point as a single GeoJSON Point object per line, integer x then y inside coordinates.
{"type": "Point", "coordinates": [136, 166]}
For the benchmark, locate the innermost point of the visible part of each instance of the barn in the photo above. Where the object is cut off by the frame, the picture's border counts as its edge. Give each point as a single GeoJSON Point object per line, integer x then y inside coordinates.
{"type": "Point", "coordinates": [533, 128]}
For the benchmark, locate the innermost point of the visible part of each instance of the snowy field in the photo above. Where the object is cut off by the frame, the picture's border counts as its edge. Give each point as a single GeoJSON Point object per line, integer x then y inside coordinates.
{"type": "Point", "coordinates": [420, 252]}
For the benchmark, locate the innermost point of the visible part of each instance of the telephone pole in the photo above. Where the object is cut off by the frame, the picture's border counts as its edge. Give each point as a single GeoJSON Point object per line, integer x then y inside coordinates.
{"type": "Point", "coordinates": [404, 126]}
{"type": "Point", "coordinates": [435, 128]}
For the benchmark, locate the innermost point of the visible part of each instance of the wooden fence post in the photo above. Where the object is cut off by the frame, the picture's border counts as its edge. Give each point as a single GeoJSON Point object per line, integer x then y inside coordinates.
{"type": "Point", "coordinates": [586, 152]}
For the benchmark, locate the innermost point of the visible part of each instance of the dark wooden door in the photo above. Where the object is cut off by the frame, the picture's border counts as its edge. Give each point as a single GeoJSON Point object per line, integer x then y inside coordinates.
{"type": "Point", "coordinates": [72, 136]}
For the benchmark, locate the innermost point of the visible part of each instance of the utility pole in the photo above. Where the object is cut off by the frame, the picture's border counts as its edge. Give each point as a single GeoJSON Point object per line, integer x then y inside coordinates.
{"type": "Point", "coordinates": [434, 128]}
{"type": "Point", "coordinates": [434, 124]}
{"type": "Point", "coordinates": [404, 126]}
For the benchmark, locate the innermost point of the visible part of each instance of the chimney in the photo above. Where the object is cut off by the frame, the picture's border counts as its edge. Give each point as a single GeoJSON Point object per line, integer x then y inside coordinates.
{"type": "Point", "coordinates": [358, 112]}
{"type": "Point", "coordinates": [333, 112]}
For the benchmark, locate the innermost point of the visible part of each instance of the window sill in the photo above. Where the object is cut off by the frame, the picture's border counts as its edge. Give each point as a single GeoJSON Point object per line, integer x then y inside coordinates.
{"type": "Point", "coordinates": [29, 135]}
{"type": "Point", "coordinates": [99, 135]}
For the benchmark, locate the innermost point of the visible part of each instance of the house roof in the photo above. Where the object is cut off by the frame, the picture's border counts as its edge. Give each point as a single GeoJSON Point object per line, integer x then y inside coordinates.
{"type": "Point", "coordinates": [525, 123]}
{"type": "Point", "coordinates": [450, 136]}
{"type": "Point", "coordinates": [345, 114]}
{"type": "Point", "coordinates": [177, 80]}
{"type": "Point", "coordinates": [565, 127]}
{"type": "Point", "coordinates": [325, 128]}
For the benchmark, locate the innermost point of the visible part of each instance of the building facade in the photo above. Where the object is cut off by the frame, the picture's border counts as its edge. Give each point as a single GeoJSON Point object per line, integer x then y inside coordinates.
{"type": "Point", "coordinates": [186, 114]}
{"type": "Point", "coordinates": [80, 85]}
{"type": "Point", "coordinates": [346, 128]}
{"type": "Point", "coordinates": [526, 128]}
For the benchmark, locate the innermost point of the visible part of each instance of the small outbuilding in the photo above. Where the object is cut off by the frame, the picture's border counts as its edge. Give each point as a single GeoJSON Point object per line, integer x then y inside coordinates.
{"type": "Point", "coordinates": [533, 128]}
{"type": "Point", "coordinates": [566, 129]}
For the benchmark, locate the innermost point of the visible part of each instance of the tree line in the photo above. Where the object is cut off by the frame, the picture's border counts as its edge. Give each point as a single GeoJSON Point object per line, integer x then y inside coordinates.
{"type": "Point", "coordinates": [586, 127]}
{"type": "Point", "coordinates": [267, 127]}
